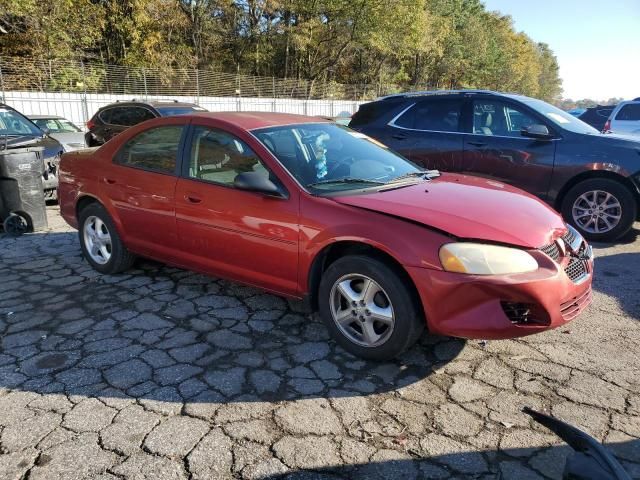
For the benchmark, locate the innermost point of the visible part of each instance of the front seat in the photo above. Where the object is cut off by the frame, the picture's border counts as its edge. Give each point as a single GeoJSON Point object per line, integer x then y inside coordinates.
{"type": "Point", "coordinates": [485, 124]}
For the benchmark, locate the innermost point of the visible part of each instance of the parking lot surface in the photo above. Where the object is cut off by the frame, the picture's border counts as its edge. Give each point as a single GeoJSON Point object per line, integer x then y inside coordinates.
{"type": "Point", "coordinates": [163, 373]}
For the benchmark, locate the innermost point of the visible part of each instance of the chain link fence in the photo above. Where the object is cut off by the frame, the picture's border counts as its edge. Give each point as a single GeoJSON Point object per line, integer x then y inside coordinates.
{"type": "Point", "coordinates": [75, 89]}
{"type": "Point", "coordinates": [68, 76]}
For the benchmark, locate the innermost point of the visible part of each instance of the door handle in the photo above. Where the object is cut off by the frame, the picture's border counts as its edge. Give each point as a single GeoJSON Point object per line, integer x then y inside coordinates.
{"type": "Point", "coordinates": [192, 198]}
{"type": "Point", "coordinates": [478, 144]}
{"type": "Point", "coordinates": [399, 136]}
{"type": "Point", "coordinates": [109, 181]}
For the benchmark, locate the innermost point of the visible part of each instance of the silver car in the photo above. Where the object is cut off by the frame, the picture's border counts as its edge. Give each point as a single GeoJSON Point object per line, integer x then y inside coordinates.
{"type": "Point", "coordinates": [63, 130]}
{"type": "Point", "coordinates": [625, 119]}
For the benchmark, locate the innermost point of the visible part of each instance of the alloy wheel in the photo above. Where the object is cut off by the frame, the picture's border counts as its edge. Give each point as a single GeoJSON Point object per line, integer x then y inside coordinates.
{"type": "Point", "coordinates": [97, 240]}
{"type": "Point", "coordinates": [362, 310]}
{"type": "Point", "coordinates": [597, 211]}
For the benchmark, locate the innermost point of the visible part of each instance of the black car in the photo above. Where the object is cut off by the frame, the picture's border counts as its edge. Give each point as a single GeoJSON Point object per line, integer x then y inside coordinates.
{"type": "Point", "coordinates": [115, 118]}
{"type": "Point", "coordinates": [597, 116]}
{"type": "Point", "coordinates": [17, 131]}
{"type": "Point", "coordinates": [591, 178]}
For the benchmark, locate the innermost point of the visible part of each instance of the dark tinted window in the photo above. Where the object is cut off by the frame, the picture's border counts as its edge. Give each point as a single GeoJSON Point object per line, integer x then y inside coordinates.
{"type": "Point", "coordinates": [154, 149]}
{"type": "Point", "coordinates": [630, 111]}
{"type": "Point", "coordinates": [105, 115]}
{"type": "Point", "coordinates": [129, 116]}
{"type": "Point", "coordinates": [492, 117]}
{"type": "Point", "coordinates": [369, 112]}
{"type": "Point", "coordinates": [440, 116]}
{"type": "Point", "coordinates": [218, 157]}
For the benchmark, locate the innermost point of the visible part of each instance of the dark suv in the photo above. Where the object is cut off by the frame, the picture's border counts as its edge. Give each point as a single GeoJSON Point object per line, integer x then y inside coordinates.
{"type": "Point", "coordinates": [591, 178]}
{"type": "Point", "coordinates": [597, 116]}
{"type": "Point", "coordinates": [115, 118]}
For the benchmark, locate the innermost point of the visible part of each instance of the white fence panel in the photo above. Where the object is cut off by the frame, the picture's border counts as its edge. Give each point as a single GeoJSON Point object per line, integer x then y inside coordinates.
{"type": "Point", "coordinates": [79, 108]}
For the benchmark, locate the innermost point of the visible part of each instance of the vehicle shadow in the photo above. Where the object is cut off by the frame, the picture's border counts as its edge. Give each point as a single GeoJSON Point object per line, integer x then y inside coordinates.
{"type": "Point", "coordinates": [166, 334]}
{"type": "Point", "coordinates": [617, 276]}
{"type": "Point", "coordinates": [506, 464]}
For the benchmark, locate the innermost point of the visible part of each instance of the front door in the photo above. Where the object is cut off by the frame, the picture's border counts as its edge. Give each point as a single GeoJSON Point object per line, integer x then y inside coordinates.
{"type": "Point", "coordinates": [247, 236]}
{"type": "Point", "coordinates": [141, 184]}
{"type": "Point", "coordinates": [495, 148]}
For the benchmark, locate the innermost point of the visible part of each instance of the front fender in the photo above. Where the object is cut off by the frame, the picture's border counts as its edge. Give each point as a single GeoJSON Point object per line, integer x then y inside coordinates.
{"type": "Point", "coordinates": [325, 222]}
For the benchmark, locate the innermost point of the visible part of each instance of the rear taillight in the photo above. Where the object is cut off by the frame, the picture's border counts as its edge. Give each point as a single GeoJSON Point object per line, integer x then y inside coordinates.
{"type": "Point", "coordinates": [91, 124]}
{"type": "Point", "coordinates": [607, 127]}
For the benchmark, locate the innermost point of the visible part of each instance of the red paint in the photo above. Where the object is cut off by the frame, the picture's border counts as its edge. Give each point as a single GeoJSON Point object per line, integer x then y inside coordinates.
{"type": "Point", "coordinates": [272, 242]}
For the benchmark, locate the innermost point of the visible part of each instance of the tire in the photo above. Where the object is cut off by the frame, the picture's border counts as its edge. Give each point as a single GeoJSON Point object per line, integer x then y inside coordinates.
{"type": "Point", "coordinates": [119, 258]}
{"type": "Point", "coordinates": [395, 295]}
{"type": "Point", "coordinates": [577, 200]}
{"type": "Point", "coordinates": [16, 224]}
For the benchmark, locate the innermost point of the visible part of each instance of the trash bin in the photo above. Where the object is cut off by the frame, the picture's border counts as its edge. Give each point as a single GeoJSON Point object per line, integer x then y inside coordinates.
{"type": "Point", "coordinates": [22, 205]}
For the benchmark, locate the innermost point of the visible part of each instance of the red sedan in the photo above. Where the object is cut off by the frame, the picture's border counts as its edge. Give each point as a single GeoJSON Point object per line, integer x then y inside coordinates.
{"type": "Point", "coordinates": [305, 208]}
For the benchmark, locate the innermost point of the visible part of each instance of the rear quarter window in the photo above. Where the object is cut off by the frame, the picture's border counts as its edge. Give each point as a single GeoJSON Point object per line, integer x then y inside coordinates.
{"type": "Point", "coordinates": [630, 111]}
{"type": "Point", "coordinates": [370, 112]}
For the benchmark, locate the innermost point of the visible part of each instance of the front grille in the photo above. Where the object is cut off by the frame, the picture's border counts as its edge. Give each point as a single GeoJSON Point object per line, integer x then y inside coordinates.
{"type": "Point", "coordinates": [576, 269]}
{"type": "Point", "coordinates": [569, 237]}
{"type": "Point", "coordinates": [572, 308]}
{"type": "Point", "coordinates": [522, 313]}
{"type": "Point", "coordinates": [552, 250]}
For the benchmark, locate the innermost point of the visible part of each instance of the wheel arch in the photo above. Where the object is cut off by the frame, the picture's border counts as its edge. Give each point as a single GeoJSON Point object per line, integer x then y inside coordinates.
{"type": "Point", "coordinates": [595, 174]}
{"type": "Point", "coordinates": [335, 250]}
{"type": "Point", "coordinates": [83, 201]}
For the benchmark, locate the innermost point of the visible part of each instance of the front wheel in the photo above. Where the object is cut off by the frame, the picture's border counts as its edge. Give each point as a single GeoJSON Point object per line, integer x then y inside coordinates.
{"type": "Point", "coordinates": [369, 308]}
{"type": "Point", "coordinates": [601, 209]}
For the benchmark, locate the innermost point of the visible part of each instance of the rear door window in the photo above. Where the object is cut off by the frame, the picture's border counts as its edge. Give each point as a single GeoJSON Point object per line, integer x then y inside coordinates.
{"type": "Point", "coordinates": [438, 116]}
{"type": "Point", "coordinates": [629, 112]}
{"type": "Point", "coordinates": [155, 149]}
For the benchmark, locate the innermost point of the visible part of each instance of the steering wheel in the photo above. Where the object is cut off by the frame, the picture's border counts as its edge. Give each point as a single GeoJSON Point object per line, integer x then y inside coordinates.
{"type": "Point", "coordinates": [346, 162]}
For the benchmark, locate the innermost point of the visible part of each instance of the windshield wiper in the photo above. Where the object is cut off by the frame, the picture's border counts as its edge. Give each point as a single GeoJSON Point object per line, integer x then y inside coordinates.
{"type": "Point", "coordinates": [426, 174]}
{"type": "Point", "coordinates": [345, 180]}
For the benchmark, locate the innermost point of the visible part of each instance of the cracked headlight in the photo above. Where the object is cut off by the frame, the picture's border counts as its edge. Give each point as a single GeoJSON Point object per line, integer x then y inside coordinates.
{"type": "Point", "coordinates": [481, 259]}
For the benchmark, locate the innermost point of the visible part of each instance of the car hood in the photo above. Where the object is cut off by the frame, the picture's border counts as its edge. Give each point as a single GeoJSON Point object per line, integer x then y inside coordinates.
{"type": "Point", "coordinates": [67, 138]}
{"type": "Point", "coordinates": [51, 146]}
{"type": "Point", "coordinates": [468, 208]}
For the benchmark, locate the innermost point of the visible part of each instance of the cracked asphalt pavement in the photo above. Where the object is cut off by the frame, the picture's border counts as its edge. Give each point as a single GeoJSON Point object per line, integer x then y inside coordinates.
{"type": "Point", "coordinates": [163, 373]}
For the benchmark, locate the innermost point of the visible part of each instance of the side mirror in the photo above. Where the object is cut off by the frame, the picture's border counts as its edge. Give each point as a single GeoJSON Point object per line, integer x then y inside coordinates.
{"type": "Point", "coordinates": [45, 130]}
{"type": "Point", "coordinates": [538, 131]}
{"type": "Point", "coordinates": [256, 182]}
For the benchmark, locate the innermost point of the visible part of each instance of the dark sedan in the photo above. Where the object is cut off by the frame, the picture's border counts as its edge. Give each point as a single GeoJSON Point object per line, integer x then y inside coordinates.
{"type": "Point", "coordinates": [591, 178]}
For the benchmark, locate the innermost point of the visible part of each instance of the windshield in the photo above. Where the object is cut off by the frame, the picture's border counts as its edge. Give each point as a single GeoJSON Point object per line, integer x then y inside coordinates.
{"type": "Point", "coordinates": [170, 111]}
{"type": "Point", "coordinates": [14, 124]}
{"type": "Point", "coordinates": [560, 117]}
{"type": "Point", "coordinates": [56, 125]}
{"type": "Point", "coordinates": [327, 158]}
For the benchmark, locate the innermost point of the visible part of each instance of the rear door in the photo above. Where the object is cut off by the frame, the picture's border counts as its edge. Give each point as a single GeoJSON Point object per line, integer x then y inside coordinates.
{"type": "Point", "coordinates": [247, 236]}
{"type": "Point", "coordinates": [141, 184]}
{"type": "Point", "coordinates": [428, 133]}
{"type": "Point", "coordinates": [496, 149]}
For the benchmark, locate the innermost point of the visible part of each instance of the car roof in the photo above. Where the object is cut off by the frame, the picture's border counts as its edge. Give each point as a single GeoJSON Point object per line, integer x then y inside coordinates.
{"type": "Point", "coordinates": [255, 120]}
{"type": "Point", "coordinates": [151, 103]}
{"type": "Point", "coordinates": [432, 93]}
{"type": "Point", "coordinates": [40, 117]}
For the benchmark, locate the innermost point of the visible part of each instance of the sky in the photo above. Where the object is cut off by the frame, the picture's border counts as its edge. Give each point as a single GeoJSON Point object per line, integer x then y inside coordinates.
{"type": "Point", "coordinates": [597, 42]}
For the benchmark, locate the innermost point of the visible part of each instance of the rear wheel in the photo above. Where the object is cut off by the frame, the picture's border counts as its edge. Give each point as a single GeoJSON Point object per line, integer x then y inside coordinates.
{"type": "Point", "coordinates": [369, 308]}
{"type": "Point", "coordinates": [100, 242]}
{"type": "Point", "coordinates": [601, 209]}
